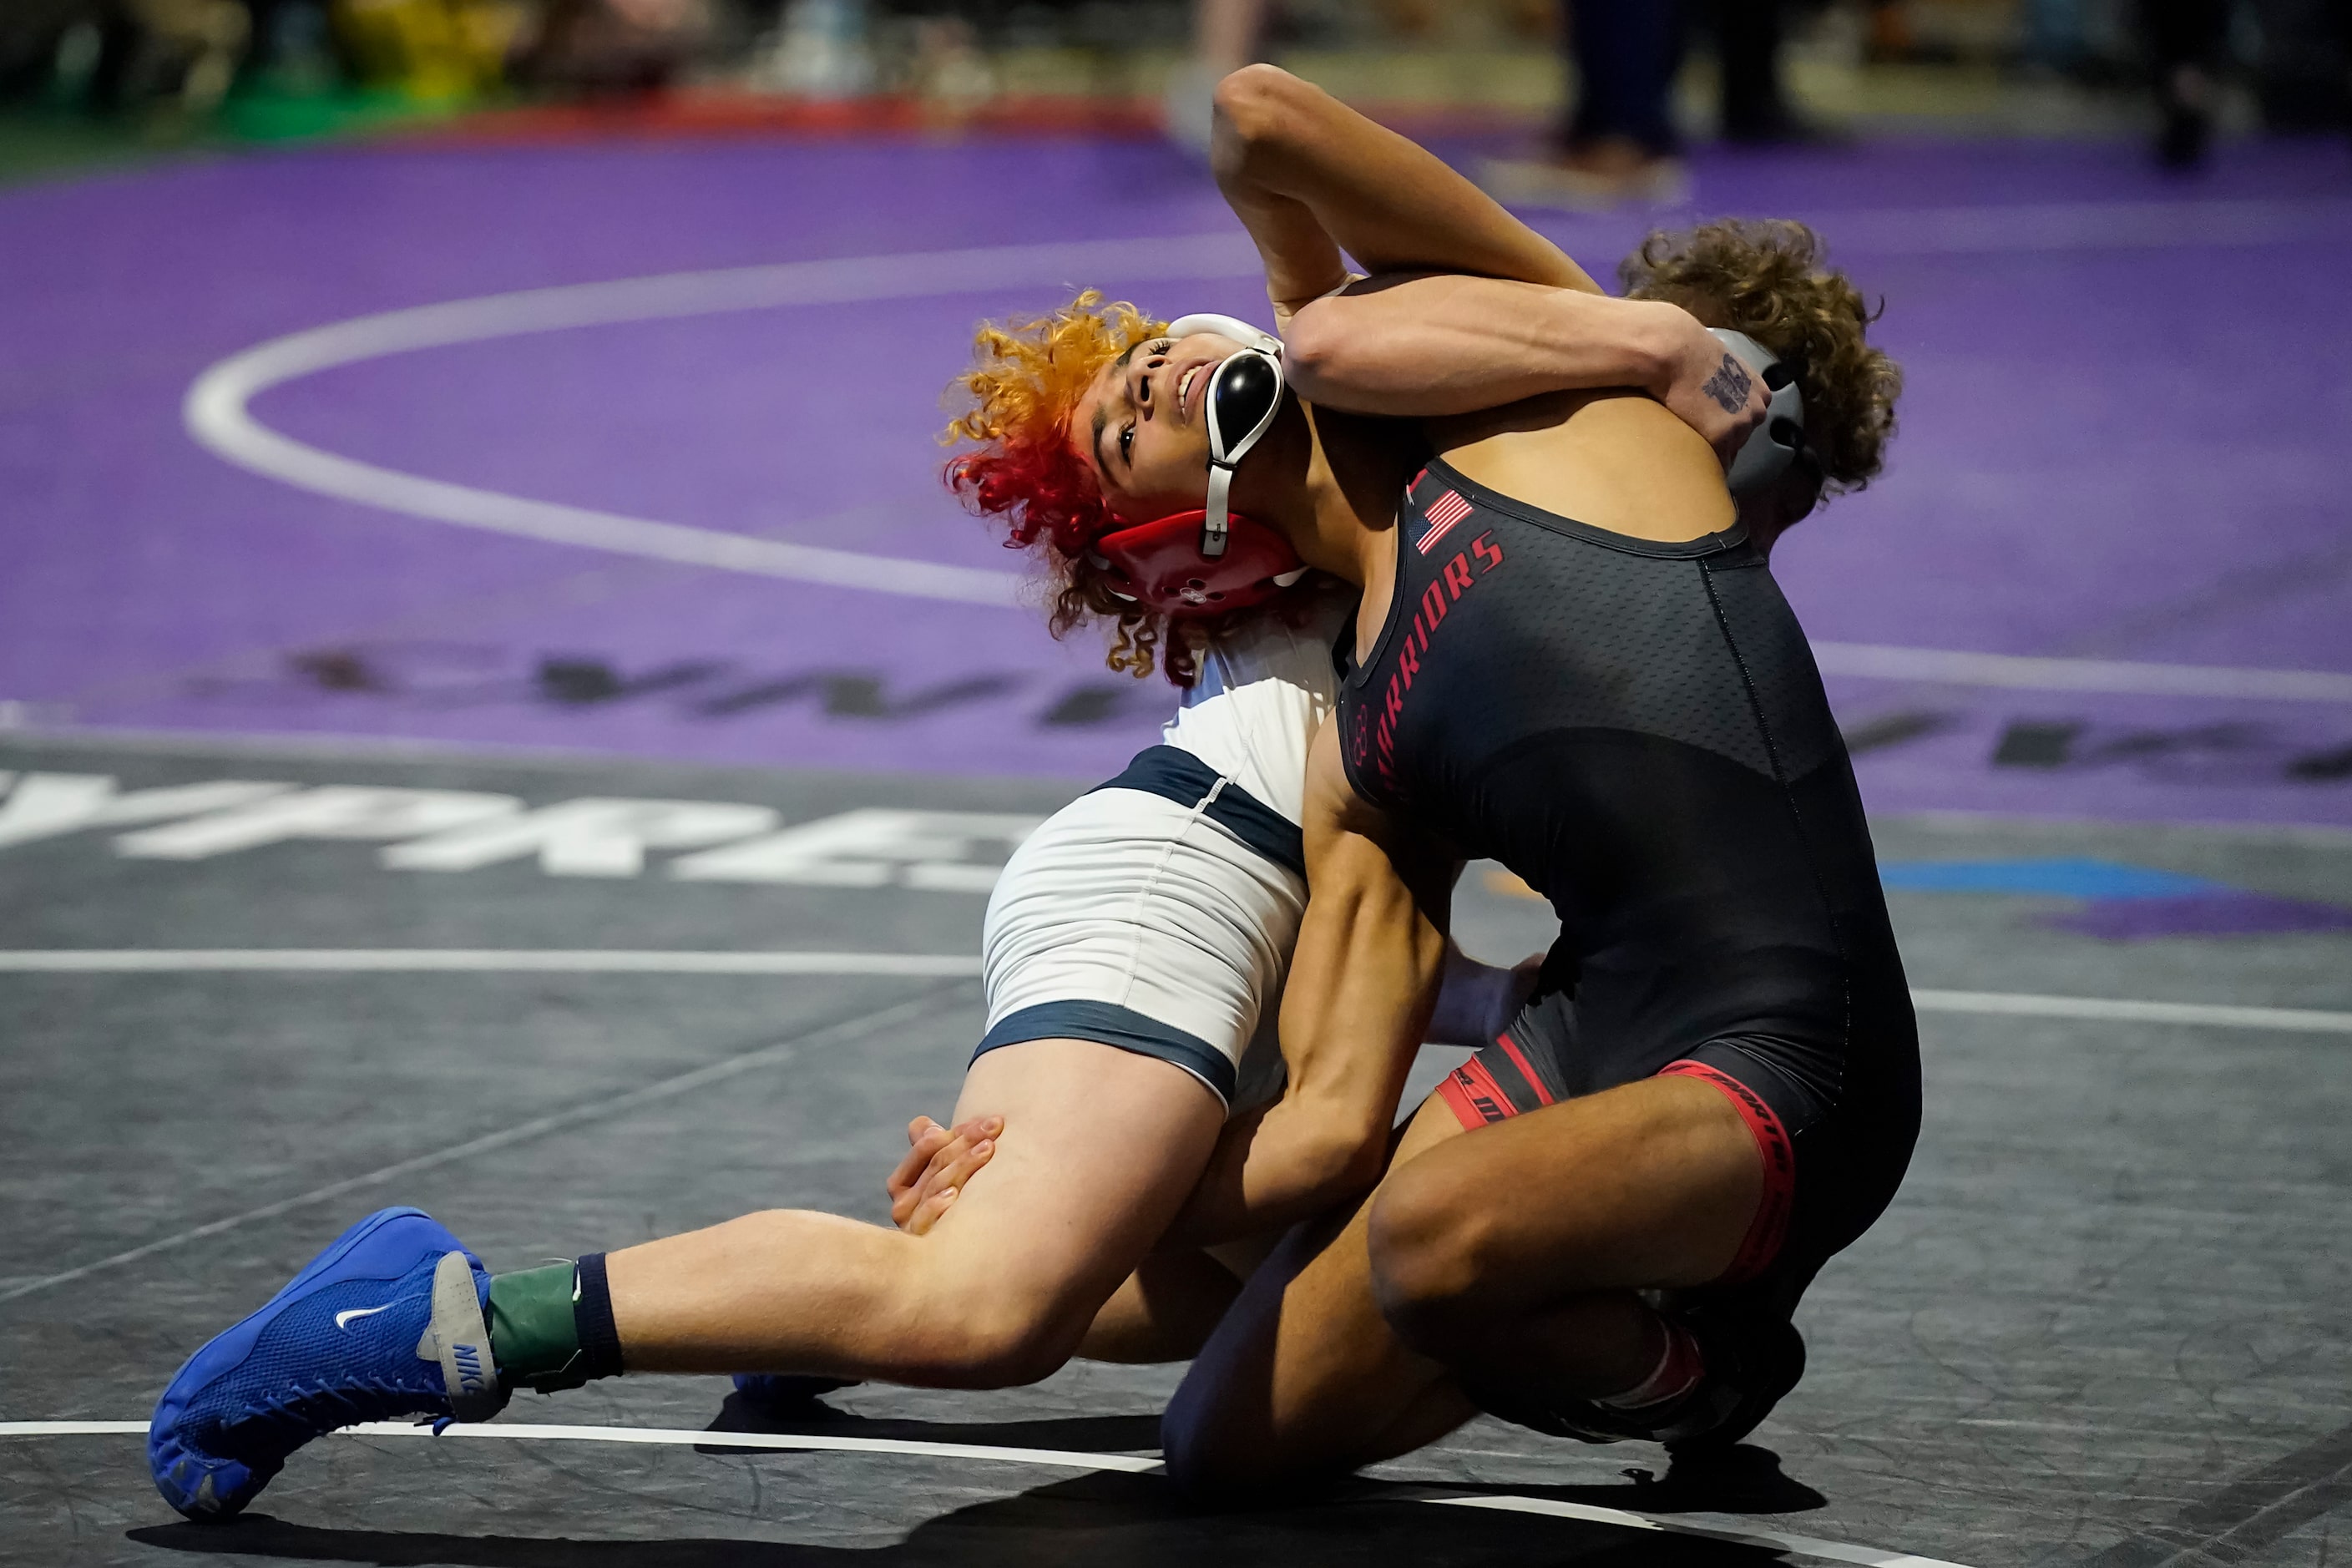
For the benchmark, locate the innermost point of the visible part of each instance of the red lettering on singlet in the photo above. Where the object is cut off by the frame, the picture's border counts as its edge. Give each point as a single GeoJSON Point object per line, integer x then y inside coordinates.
{"type": "Point", "coordinates": [1376, 727]}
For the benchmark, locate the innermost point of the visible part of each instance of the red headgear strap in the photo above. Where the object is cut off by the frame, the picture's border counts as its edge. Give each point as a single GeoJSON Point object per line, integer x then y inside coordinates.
{"type": "Point", "coordinates": [1159, 563]}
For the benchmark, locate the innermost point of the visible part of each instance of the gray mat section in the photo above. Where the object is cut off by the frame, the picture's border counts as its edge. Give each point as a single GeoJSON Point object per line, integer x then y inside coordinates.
{"type": "Point", "coordinates": [2108, 1320]}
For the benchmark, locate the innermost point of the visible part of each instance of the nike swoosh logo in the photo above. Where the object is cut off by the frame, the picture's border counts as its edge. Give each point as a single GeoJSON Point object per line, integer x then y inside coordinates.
{"type": "Point", "coordinates": [343, 1320]}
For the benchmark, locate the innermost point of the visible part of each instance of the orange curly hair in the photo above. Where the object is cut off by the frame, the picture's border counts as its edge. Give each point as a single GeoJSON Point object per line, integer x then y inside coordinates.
{"type": "Point", "coordinates": [1023, 385]}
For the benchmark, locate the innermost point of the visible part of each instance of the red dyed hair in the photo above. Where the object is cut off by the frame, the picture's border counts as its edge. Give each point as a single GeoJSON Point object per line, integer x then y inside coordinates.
{"type": "Point", "coordinates": [1024, 384]}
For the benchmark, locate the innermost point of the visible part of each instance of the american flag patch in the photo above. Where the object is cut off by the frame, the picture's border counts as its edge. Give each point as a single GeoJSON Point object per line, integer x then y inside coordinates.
{"type": "Point", "coordinates": [1444, 514]}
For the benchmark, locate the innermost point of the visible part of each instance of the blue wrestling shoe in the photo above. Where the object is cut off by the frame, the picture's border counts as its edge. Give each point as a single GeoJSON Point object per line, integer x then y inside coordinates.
{"type": "Point", "coordinates": [388, 1321]}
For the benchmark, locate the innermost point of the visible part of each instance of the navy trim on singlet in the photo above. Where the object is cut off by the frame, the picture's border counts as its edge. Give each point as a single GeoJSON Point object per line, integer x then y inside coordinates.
{"type": "Point", "coordinates": [1174, 773]}
{"type": "Point", "coordinates": [1107, 1023]}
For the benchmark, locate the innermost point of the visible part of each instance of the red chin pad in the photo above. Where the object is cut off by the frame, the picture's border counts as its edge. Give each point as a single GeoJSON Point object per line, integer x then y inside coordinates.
{"type": "Point", "coordinates": [1159, 564]}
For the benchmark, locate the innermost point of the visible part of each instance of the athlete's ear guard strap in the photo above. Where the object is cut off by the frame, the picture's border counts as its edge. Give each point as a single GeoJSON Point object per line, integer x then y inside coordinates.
{"type": "Point", "coordinates": [1772, 445]}
{"type": "Point", "coordinates": [1244, 392]}
{"type": "Point", "coordinates": [1232, 327]}
{"type": "Point", "coordinates": [1216, 524]}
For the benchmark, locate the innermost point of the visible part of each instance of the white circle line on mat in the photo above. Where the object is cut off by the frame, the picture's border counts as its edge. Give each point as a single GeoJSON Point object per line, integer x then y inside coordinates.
{"type": "Point", "coordinates": [217, 410]}
{"type": "Point", "coordinates": [1049, 1459]}
{"type": "Point", "coordinates": [218, 416]}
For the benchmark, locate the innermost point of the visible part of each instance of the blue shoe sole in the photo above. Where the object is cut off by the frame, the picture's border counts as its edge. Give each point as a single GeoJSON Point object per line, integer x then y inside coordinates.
{"type": "Point", "coordinates": [182, 1476]}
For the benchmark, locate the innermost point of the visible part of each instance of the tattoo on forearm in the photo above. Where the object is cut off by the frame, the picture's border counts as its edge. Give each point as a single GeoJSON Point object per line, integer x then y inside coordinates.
{"type": "Point", "coordinates": [1729, 385]}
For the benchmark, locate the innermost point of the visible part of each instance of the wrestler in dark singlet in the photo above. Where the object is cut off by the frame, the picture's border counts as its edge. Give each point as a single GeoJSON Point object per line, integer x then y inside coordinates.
{"type": "Point", "coordinates": [1637, 729]}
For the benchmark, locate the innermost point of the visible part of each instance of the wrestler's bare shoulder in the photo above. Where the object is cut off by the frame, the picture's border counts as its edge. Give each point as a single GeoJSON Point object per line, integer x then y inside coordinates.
{"type": "Point", "coordinates": [1617, 460]}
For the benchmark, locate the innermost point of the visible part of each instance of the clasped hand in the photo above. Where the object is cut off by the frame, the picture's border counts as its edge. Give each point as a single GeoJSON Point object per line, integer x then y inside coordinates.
{"type": "Point", "coordinates": [1711, 389]}
{"type": "Point", "coordinates": [940, 1161]}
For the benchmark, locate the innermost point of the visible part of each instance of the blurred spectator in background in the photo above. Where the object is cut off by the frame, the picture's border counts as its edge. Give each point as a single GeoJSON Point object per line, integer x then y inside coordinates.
{"type": "Point", "coordinates": [120, 52]}
{"type": "Point", "coordinates": [194, 44]}
{"type": "Point", "coordinates": [430, 49]}
{"type": "Point", "coordinates": [1617, 143]}
{"type": "Point", "coordinates": [294, 47]}
{"type": "Point", "coordinates": [616, 46]}
{"type": "Point", "coordinates": [28, 46]}
{"type": "Point", "coordinates": [1225, 38]}
{"type": "Point", "coordinates": [302, 66]}
{"type": "Point", "coordinates": [1886, 34]}
{"type": "Point", "coordinates": [1756, 108]}
{"type": "Point", "coordinates": [820, 49]}
{"type": "Point", "coordinates": [2302, 70]}
{"type": "Point", "coordinates": [2184, 46]}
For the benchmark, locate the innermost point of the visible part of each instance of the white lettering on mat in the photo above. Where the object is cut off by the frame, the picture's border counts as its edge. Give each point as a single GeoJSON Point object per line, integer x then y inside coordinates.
{"type": "Point", "coordinates": [590, 838]}
{"type": "Point", "coordinates": [45, 805]}
{"type": "Point", "coordinates": [465, 831]}
{"type": "Point", "coordinates": [330, 811]}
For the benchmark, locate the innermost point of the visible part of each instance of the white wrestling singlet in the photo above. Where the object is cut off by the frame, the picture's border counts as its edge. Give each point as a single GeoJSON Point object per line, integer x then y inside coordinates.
{"type": "Point", "coordinates": [1157, 912]}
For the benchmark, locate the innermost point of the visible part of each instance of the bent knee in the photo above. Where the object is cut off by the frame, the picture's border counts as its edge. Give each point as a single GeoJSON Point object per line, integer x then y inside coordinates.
{"type": "Point", "coordinates": [1431, 1244]}
{"type": "Point", "coordinates": [1000, 1344]}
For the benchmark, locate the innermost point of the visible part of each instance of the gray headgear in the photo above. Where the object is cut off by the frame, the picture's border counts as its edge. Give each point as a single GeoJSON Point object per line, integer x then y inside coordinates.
{"type": "Point", "coordinates": [1772, 445]}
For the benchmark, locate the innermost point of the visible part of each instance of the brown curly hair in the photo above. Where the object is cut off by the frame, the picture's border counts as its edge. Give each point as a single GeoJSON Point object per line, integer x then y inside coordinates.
{"type": "Point", "coordinates": [1025, 380]}
{"type": "Point", "coordinates": [1771, 280]}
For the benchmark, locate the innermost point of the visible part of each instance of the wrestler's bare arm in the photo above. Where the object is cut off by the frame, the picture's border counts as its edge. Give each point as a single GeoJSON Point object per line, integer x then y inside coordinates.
{"type": "Point", "coordinates": [1475, 1002]}
{"type": "Point", "coordinates": [1311, 178]}
{"type": "Point", "coordinates": [1429, 346]}
{"type": "Point", "coordinates": [1508, 315]}
{"type": "Point", "coordinates": [1363, 980]}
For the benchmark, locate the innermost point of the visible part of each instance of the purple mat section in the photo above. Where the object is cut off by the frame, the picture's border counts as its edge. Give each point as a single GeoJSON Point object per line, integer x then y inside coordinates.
{"type": "Point", "coordinates": [2228, 912]}
{"type": "Point", "coordinates": [2123, 440]}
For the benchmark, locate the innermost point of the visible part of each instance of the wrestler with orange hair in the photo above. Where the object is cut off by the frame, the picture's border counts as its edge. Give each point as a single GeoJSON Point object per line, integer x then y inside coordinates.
{"type": "Point", "coordinates": [1134, 958]}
